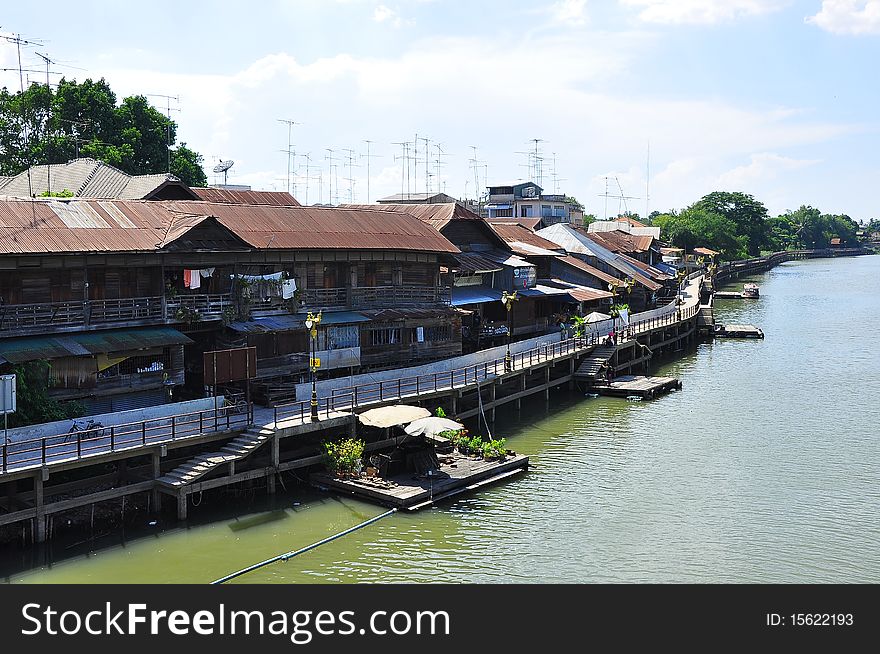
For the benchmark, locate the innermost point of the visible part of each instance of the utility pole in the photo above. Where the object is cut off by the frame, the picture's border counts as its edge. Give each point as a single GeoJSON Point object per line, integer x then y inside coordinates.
{"type": "Point", "coordinates": [290, 152]}
{"type": "Point", "coordinates": [426, 165]}
{"type": "Point", "coordinates": [403, 167]}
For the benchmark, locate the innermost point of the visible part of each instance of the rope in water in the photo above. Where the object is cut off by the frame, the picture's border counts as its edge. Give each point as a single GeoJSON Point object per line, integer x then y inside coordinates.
{"type": "Point", "coordinates": [290, 555]}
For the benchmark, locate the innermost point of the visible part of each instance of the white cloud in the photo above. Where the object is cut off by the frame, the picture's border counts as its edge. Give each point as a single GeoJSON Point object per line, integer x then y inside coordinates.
{"type": "Point", "coordinates": [590, 125]}
{"type": "Point", "coordinates": [848, 17]}
{"type": "Point", "coordinates": [383, 14]}
{"type": "Point", "coordinates": [570, 12]}
{"type": "Point", "coordinates": [764, 166]}
{"type": "Point", "coordinates": [701, 11]}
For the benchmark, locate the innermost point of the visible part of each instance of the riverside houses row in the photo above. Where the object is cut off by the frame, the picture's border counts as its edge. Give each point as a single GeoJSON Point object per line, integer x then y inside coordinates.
{"type": "Point", "coordinates": [122, 297]}
{"type": "Point", "coordinates": [495, 258]}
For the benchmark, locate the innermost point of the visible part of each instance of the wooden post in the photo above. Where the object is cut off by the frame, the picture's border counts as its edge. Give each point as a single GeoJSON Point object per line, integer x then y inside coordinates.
{"type": "Point", "coordinates": [155, 495]}
{"type": "Point", "coordinates": [492, 394]}
{"type": "Point", "coordinates": [40, 518]}
{"type": "Point", "coordinates": [547, 383]}
{"type": "Point", "coordinates": [181, 504]}
{"type": "Point", "coordinates": [454, 403]}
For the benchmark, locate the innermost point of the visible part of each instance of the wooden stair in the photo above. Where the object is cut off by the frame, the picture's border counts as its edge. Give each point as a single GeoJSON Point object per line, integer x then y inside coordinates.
{"type": "Point", "coordinates": [236, 449]}
{"type": "Point", "coordinates": [592, 365]}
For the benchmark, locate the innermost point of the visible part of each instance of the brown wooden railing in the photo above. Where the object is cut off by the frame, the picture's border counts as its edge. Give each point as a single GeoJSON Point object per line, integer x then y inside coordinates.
{"type": "Point", "coordinates": [399, 296]}
{"type": "Point", "coordinates": [206, 305]}
{"type": "Point", "coordinates": [90, 312]}
{"type": "Point", "coordinates": [94, 440]}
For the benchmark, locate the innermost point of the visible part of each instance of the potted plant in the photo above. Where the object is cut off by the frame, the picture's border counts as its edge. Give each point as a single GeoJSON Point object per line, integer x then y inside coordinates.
{"type": "Point", "coordinates": [344, 457]}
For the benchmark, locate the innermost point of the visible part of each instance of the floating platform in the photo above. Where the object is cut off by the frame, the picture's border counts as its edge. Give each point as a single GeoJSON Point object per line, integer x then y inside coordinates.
{"type": "Point", "coordinates": [635, 386]}
{"type": "Point", "coordinates": [458, 473]}
{"type": "Point", "coordinates": [730, 295]}
{"type": "Point", "coordinates": [737, 331]}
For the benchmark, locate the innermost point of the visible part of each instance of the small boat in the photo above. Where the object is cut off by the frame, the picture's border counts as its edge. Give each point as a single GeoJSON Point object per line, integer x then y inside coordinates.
{"type": "Point", "coordinates": [750, 291]}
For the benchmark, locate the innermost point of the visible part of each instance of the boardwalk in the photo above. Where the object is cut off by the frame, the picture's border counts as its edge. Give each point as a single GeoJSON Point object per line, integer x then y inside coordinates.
{"type": "Point", "coordinates": [201, 426]}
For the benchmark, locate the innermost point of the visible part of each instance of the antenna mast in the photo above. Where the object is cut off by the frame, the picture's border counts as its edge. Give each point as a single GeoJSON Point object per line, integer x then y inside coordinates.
{"type": "Point", "coordinates": [168, 110]}
{"type": "Point", "coordinates": [368, 156]}
{"type": "Point", "coordinates": [290, 152]}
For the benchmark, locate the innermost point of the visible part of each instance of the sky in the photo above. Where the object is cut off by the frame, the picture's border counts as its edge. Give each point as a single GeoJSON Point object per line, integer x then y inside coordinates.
{"type": "Point", "coordinates": [637, 105]}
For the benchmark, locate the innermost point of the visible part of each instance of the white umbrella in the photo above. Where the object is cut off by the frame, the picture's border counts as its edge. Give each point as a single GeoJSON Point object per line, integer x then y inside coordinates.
{"type": "Point", "coordinates": [391, 416]}
{"type": "Point", "coordinates": [595, 316]}
{"type": "Point", "coordinates": [431, 426]}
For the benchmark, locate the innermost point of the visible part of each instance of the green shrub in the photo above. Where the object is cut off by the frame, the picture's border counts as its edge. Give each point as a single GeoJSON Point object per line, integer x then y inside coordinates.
{"type": "Point", "coordinates": [343, 456]}
{"type": "Point", "coordinates": [495, 449]}
{"type": "Point", "coordinates": [440, 413]}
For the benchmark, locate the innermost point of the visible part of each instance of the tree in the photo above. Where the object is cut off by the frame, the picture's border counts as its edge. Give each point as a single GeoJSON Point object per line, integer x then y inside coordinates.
{"type": "Point", "coordinates": [747, 214]}
{"type": "Point", "coordinates": [43, 126]}
{"type": "Point", "coordinates": [187, 165]}
{"type": "Point", "coordinates": [695, 227]}
{"type": "Point", "coordinates": [33, 404]}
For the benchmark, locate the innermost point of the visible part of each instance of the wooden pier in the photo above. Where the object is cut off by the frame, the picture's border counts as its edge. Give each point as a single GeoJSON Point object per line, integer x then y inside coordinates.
{"type": "Point", "coordinates": [730, 295]}
{"type": "Point", "coordinates": [637, 386]}
{"type": "Point", "coordinates": [458, 473]}
{"type": "Point", "coordinates": [738, 331]}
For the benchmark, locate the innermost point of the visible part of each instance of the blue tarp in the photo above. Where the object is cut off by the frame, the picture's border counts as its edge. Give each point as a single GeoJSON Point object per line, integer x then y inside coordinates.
{"type": "Point", "coordinates": [462, 295]}
{"type": "Point", "coordinates": [286, 323]}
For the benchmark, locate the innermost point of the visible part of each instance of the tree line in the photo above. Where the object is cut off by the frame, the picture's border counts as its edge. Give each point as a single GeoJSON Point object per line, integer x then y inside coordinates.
{"type": "Point", "coordinates": [739, 226]}
{"type": "Point", "coordinates": [45, 125]}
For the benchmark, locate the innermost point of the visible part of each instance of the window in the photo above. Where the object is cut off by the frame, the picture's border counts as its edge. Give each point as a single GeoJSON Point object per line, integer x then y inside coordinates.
{"type": "Point", "coordinates": [384, 336]}
{"type": "Point", "coordinates": [546, 211]}
{"type": "Point", "coordinates": [525, 211]}
{"type": "Point", "coordinates": [438, 333]}
{"type": "Point", "coordinates": [333, 338]}
{"type": "Point", "coordinates": [502, 213]}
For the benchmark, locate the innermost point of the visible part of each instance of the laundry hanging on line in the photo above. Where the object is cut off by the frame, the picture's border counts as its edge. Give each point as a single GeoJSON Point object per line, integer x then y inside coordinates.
{"type": "Point", "coordinates": [192, 279]}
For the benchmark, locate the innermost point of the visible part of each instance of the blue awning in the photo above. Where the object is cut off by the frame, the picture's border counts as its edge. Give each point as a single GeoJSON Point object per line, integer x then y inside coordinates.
{"type": "Point", "coordinates": [462, 295]}
{"type": "Point", "coordinates": [19, 350]}
{"type": "Point", "coordinates": [287, 322]}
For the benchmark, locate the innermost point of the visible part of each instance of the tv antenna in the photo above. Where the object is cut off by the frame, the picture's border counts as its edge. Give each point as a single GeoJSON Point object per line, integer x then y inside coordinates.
{"type": "Point", "coordinates": [290, 152]}
{"type": "Point", "coordinates": [223, 167]}
{"type": "Point", "coordinates": [368, 156]}
{"type": "Point", "coordinates": [621, 198]}
{"type": "Point", "coordinates": [168, 110]}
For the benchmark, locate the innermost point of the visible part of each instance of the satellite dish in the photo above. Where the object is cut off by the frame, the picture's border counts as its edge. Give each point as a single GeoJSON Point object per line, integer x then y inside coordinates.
{"type": "Point", "coordinates": [223, 167]}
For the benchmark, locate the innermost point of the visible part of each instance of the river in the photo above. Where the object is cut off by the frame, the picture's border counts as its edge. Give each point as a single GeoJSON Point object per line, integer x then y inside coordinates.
{"type": "Point", "coordinates": [763, 469]}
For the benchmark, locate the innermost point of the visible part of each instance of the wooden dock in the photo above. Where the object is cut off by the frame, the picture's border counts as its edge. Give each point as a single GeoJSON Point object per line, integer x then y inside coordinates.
{"type": "Point", "coordinates": [637, 386]}
{"type": "Point", "coordinates": [738, 331]}
{"type": "Point", "coordinates": [730, 295]}
{"type": "Point", "coordinates": [458, 473]}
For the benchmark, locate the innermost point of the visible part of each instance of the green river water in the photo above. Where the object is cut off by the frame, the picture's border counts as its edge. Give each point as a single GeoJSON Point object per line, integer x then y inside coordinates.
{"type": "Point", "coordinates": [764, 468]}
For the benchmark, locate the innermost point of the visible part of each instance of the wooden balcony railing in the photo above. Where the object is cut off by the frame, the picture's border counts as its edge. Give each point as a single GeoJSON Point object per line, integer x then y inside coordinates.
{"type": "Point", "coordinates": [94, 312]}
{"type": "Point", "coordinates": [370, 297]}
{"type": "Point", "coordinates": [399, 296]}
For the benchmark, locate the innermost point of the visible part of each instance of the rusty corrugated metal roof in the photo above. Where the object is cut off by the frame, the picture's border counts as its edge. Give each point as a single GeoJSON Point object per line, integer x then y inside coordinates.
{"type": "Point", "coordinates": [514, 234]}
{"type": "Point", "coordinates": [587, 268]}
{"type": "Point", "coordinates": [232, 196]}
{"type": "Point", "coordinates": [529, 223]}
{"type": "Point", "coordinates": [621, 242]}
{"type": "Point", "coordinates": [40, 226]}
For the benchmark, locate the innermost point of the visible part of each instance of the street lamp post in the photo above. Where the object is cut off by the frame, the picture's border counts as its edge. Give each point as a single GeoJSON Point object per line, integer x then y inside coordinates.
{"type": "Point", "coordinates": [508, 299]}
{"type": "Point", "coordinates": [312, 322]}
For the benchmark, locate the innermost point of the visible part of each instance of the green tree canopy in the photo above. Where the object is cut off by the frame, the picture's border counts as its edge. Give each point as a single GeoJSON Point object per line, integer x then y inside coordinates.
{"type": "Point", "coordinates": [45, 125]}
{"type": "Point", "coordinates": [696, 227]}
{"type": "Point", "coordinates": [747, 214]}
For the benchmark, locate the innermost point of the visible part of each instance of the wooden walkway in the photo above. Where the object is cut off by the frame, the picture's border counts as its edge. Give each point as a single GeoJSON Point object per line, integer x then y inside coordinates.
{"type": "Point", "coordinates": [457, 474]}
{"type": "Point", "coordinates": [637, 386]}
